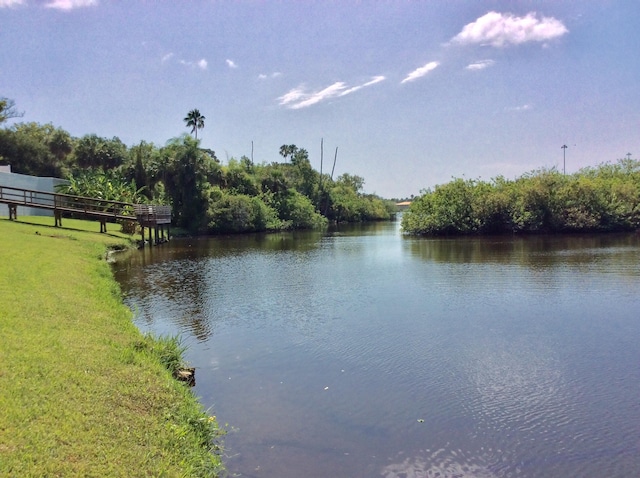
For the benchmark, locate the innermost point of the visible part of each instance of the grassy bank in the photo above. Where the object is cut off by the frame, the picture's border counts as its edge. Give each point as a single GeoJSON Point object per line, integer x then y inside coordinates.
{"type": "Point", "coordinates": [82, 392]}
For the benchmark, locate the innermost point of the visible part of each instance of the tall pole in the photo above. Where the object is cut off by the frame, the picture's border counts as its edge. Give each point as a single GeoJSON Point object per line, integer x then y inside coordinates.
{"type": "Point", "coordinates": [564, 158]}
{"type": "Point", "coordinates": [321, 161]}
{"type": "Point", "coordinates": [628, 156]}
{"type": "Point", "coordinates": [321, 156]}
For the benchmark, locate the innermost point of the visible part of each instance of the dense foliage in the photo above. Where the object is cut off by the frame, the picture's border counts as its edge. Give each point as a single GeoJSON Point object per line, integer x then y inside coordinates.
{"type": "Point", "coordinates": [604, 198]}
{"type": "Point", "coordinates": [206, 196]}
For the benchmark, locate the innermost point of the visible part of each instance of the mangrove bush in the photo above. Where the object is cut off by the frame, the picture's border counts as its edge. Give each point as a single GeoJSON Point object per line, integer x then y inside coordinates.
{"type": "Point", "coordinates": [605, 198]}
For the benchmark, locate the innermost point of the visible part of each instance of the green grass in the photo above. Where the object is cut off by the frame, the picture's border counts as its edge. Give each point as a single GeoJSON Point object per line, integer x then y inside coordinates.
{"type": "Point", "coordinates": [82, 391]}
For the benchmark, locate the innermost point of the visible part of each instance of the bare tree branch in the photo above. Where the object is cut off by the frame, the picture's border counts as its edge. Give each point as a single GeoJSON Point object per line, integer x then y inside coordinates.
{"type": "Point", "coordinates": [8, 110]}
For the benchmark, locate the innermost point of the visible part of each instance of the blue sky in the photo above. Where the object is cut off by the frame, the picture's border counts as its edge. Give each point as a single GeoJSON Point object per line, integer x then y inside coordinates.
{"type": "Point", "coordinates": [411, 93]}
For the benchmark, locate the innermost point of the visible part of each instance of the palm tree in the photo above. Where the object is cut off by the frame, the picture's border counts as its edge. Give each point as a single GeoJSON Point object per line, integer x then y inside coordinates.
{"type": "Point", "coordinates": [195, 121]}
{"type": "Point", "coordinates": [287, 150]}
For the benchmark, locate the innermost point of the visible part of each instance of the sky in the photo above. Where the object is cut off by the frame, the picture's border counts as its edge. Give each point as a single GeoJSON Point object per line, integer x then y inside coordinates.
{"type": "Point", "coordinates": [411, 94]}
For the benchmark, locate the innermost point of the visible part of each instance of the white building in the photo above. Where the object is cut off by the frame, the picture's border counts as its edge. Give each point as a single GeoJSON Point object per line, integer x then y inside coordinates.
{"type": "Point", "coordinates": [23, 181]}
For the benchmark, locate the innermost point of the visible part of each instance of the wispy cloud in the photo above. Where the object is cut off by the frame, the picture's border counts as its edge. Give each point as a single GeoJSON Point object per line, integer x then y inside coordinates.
{"type": "Point", "coordinates": [501, 29]}
{"type": "Point", "coordinates": [231, 64]}
{"type": "Point", "coordinates": [520, 108]}
{"type": "Point", "coordinates": [374, 80]}
{"type": "Point", "coordinates": [202, 64]}
{"type": "Point", "coordinates": [263, 76]}
{"type": "Point", "coordinates": [480, 65]}
{"type": "Point", "coordinates": [70, 4]}
{"type": "Point", "coordinates": [167, 57]}
{"type": "Point", "coordinates": [57, 4]}
{"type": "Point", "coordinates": [10, 3]}
{"type": "Point", "coordinates": [301, 98]}
{"type": "Point", "coordinates": [420, 72]}
{"type": "Point", "coordinates": [298, 98]}
{"type": "Point", "coordinates": [293, 96]}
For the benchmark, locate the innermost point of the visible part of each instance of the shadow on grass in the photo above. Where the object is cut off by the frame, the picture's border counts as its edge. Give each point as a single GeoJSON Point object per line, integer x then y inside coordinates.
{"type": "Point", "coordinates": [78, 225]}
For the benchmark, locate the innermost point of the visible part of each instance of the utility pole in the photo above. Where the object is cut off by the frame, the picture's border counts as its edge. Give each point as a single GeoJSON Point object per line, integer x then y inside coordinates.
{"type": "Point", "coordinates": [628, 156]}
{"type": "Point", "coordinates": [564, 158]}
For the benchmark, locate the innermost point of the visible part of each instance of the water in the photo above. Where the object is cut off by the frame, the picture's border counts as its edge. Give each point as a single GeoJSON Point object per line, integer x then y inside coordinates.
{"type": "Point", "coordinates": [361, 353]}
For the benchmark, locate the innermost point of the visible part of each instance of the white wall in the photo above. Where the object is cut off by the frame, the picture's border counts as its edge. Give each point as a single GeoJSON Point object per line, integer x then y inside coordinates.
{"type": "Point", "coordinates": [23, 181]}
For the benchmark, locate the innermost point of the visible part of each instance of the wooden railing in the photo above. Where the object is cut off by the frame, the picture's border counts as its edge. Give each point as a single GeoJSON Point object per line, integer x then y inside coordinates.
{"type": "Point", "coordinates": [99, 209]}
{"type": "Point", "coordinates": [150, 215]}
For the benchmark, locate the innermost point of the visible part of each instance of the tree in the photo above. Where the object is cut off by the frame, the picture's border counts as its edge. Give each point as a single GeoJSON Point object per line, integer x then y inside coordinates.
{"type": "Point", "coordinates": [35, 149]}
{"type": "Point", "coordinates": [352, 181]}
{"type": "Point", "coordinates": [60, 144]}
{"type": "Point", "coordinates": [187, 172]}
{"type": "Point", "coordinates": [93, 151]}
{"type": "Point", "coordinates": [287, 150]}
{"type": "Point", "coordinates": [8, 110]}
{"type": "Point", "coordinates": [195, 121]}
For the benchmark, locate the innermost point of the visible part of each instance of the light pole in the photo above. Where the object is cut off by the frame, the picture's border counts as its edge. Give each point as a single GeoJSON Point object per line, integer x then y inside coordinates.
{"type": "Point", "coordinates": [628, 156]}
{"type": "Point", "coordinates": [564, 158]}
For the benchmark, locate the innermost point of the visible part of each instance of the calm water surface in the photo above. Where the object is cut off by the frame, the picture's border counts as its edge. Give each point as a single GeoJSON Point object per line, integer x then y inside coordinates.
{"type": "Point", "coordinates": [361, 353]}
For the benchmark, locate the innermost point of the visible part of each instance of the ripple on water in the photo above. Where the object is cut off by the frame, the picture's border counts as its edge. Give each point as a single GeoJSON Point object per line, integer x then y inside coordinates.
{"type": "Point", "coordinates": [443, 463]}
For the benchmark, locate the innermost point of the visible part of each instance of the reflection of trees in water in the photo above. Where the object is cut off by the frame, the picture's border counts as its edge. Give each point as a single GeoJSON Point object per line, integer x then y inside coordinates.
{"type": "Point", "coordinates": [532, 251]}
{"type": "Point", "coordinates": [176, 283]}
{"type": "Point", "coordinates": [362, 228]}
{"type": "Point", "coordinates": [176, 293]}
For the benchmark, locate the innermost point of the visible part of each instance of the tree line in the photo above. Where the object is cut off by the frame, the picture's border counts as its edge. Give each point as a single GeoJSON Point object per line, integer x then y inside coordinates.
{"type": "Point", "coordinates": [605, 198]}
{"type": "Point", "coordinates": [206, 196]}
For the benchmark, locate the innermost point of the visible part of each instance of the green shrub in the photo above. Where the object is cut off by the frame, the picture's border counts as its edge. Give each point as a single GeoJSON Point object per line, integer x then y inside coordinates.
{"type": "Point", "coordinates": [239, 213]}
{"type": "Point", "coordinates": [606, 198]}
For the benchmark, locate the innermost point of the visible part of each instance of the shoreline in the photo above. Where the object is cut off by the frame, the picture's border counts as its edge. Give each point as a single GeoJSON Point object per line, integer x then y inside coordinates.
{"type": "Point", "coordinates": [82, 391]}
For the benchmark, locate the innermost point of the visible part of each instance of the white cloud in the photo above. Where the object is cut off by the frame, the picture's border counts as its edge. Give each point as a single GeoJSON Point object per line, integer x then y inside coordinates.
{"type": "Point", "coordinates": [420, 72]}
{"type": "Point", "coordinates": [299, 98]}
{"type": "Point", "coordinates": [231, 64]}
{"type": "Point", "coordinates": [167, 57]}
{"type": "Point", "coordinates": [316, 97]}
{"type": "Point", "coordinates": [202, 64]}
{"type": "Point", "coordinates": [292, 96]}
{"type": "Point", "coordinates": [263, 76]}
{"type": "Point", "coordinates": [374, 80]}
{"type": "Point", "coordinates": [498, 29]}
{"type": "Point", "coordinates": [480, 65]}
{"type": "Point", "coordinates": [520, 108]}
{"type": "Point", "coordinates": [70, 4]}
{"type": "Point", "coordinates": [10, 3]}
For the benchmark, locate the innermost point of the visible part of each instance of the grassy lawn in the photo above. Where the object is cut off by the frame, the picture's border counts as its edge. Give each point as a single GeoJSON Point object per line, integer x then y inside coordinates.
{"type": "Point", "coordinates": [82, 391]}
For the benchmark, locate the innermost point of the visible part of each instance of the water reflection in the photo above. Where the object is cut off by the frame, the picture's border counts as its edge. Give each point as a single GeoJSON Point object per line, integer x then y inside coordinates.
{"type": "Point", "coordinates": [444, 463]}
{"type": "Point", "coordinates": [359, 352]}
{"type": "Point", "coordinates": [534, 251]}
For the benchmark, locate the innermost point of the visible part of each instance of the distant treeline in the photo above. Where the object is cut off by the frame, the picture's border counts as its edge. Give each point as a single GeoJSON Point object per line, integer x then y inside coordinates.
{"type": "Point", "coordinates": [605, 198]}
{"type": "Point", "coordinates": [206, 196]}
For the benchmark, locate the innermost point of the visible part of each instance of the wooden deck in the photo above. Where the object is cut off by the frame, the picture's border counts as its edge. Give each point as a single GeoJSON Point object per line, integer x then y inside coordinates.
{"type": "Point", "coordinates": [151, 216]}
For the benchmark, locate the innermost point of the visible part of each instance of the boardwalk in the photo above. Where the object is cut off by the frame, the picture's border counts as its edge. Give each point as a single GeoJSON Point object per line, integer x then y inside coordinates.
{"type": "Point", "coordinates": [153, 217]}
